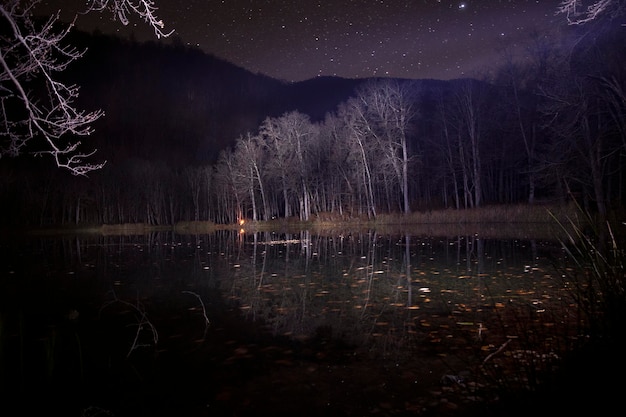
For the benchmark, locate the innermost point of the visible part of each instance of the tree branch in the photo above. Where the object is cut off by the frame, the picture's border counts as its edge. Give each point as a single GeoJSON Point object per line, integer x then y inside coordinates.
{"type": "Point", "coordinates": [34, 104]}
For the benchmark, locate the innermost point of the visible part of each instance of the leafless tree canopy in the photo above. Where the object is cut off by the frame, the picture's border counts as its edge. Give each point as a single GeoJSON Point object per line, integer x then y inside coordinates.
{"type": "Point", "coordinates": [122, 9]}
{"type": "Point", "coordinates": [34, 105]}
{"type": "Point", "coordinates": [580, 12]}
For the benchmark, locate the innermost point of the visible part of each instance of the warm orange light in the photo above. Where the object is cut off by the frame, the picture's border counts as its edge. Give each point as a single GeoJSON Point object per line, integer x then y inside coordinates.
{"type": "Point", "coordinates": [241, 222]}
{"type": "Point", "coordinates": [241, 231]}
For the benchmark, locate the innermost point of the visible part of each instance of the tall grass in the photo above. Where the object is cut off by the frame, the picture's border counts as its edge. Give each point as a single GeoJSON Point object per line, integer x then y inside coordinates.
{"type": "Point", "coordinates": [506, 213]}
{"type": "Point", "coordinates": [498, 221]}
{"type": "Point", "coordinates": [597, 274]}
{"type": "Point", "coordinates": [563, 360]}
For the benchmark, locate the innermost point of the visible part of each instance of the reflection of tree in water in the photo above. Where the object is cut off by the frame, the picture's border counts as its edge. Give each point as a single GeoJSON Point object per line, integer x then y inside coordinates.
{"type": "Point", "coordinates": [416, 301]}
{"type": "Point", "coordinates": [308, 283]}
{"type": "Point", "coordinates": [391, 295]}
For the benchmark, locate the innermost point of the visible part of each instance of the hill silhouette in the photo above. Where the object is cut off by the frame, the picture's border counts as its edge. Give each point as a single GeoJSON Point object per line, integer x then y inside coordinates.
{"type": "Point", "coordinates": [178, 104]}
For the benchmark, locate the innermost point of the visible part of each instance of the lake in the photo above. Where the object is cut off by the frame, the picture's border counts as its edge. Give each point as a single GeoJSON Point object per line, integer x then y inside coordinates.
{"type": "Point", "coordinates": [235, 323]}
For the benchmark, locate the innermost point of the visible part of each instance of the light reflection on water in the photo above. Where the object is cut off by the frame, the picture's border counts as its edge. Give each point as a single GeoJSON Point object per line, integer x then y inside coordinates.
{"type": "Point", "coordinates": [390, 293]}
{"type": "Point", "coordinates": [78, 306]}
{"type": "Point", "coordinates": [362, 286]}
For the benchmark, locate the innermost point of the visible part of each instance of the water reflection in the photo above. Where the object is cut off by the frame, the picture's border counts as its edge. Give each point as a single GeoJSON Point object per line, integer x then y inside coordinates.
{"type": "Point", "coordinates": [102, 314]}
{"type": "Point", "coordinates": [389, 293]}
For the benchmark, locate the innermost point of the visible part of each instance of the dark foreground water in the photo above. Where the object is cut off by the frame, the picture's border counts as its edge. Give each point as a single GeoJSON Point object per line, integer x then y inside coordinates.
{"type": "Point", "coordinates": [235, 324]}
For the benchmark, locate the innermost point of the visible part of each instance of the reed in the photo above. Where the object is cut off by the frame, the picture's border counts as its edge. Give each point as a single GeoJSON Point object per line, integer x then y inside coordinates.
{"type": "Point", "coordinates": [580, 379]}
{"type": "Point", "coordinates": [596, 273]}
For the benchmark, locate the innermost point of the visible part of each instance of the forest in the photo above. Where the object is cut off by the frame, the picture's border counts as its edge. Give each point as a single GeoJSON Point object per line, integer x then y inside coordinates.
{"type": "Point", "coordinates": [188, 137]}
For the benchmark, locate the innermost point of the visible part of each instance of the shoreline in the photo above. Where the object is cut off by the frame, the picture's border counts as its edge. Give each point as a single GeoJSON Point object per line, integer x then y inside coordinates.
{"type": "Point", "coordinates": [502, 221]}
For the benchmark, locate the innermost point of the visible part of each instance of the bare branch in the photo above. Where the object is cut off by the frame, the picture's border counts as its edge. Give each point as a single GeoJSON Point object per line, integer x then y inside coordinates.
{"type": "Point", "coordinates": [34, 104]}
{"type": "Point", "coordinates": [143, 323]}
{"type": "Point", "coordinates": [121, 10]}
{"type": "Point", "coordinates": [577, 14]}
{"type": "Point", "coordinates": [207, 322]}
{"type": "Point", "coordinates": [31, 56]}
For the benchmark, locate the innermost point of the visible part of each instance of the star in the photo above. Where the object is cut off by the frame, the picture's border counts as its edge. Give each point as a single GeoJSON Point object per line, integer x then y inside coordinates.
{"type": "Point", "coordinates": [299, 40]}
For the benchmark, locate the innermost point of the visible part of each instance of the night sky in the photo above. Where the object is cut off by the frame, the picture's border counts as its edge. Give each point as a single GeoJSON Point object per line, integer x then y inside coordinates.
{"type": "Point", "coordinates": [298, 40]}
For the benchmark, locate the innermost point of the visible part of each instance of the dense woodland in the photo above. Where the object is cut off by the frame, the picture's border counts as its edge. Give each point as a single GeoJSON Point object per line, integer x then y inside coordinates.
{"type": "Point", "coordinates": [187, 136]}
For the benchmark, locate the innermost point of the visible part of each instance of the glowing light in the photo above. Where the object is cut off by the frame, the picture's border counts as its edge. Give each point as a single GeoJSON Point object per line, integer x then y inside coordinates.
{"type": "Point", "coordinates": [241, 222]}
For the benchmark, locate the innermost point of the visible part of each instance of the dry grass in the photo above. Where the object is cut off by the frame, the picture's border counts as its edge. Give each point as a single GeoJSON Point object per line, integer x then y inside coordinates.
{"type": "Point", "coordinates": [520, 213]}
{"type": "Point", "coordinates": [510, 221]}
{"type": "Point", "coordinates": [505, 221]}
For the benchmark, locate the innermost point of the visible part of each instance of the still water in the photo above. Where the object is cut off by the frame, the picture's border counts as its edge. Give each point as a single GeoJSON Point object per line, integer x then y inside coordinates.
{"type": "Point", "coordinates": [235, 323]}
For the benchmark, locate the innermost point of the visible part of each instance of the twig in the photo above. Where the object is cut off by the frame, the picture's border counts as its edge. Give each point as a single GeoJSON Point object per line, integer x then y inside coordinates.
{"type": "Point", "coordinates": [142, 321]}
{"type": "Point", "coordinates": [500, 349]}
{"type": "Point", "coordinates": [140, 325]}
{"type": "Point", "coordinates": [207, 322]}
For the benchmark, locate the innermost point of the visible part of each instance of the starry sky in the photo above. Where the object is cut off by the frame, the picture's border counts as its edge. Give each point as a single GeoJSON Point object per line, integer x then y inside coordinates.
{"type": "Point", "coordinates": [302, 39]}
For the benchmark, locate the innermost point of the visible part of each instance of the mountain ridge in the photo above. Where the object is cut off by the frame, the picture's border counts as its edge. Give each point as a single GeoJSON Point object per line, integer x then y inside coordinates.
{"type": "Point", "coordinates": [182, 105]}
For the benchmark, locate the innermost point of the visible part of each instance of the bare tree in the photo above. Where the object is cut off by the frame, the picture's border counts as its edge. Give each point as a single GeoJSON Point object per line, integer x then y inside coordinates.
{"type": "Point", "coordinates": [390, 112]}
{"type": "Point", "coordinates": [122, 9]}
{"type": "Point", "coordinates": [446, 145]}
{"type": "Point", "coordinates": [198, 180]}
{"type": "Point", "coordinates": [289, 140]}
{"type": "Point", "coordinates": [339, 173]}
{"type": "Point", "coordinates": [35, 106]}
{"type": "Point", "coordinates": [249, 157]}
{"type": "Point", "coordinates": [522, 100]}
{"type": "Point", "coordinates": [231, 193]}
{"type": "Point", "coordinates": [469, 109]}
{"type": "Point", "coordinates": [579, 12]}
{"type": "Point", "coordinates": [353, 115]}
{"type": "Point", "coordinates": [587, 134]}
